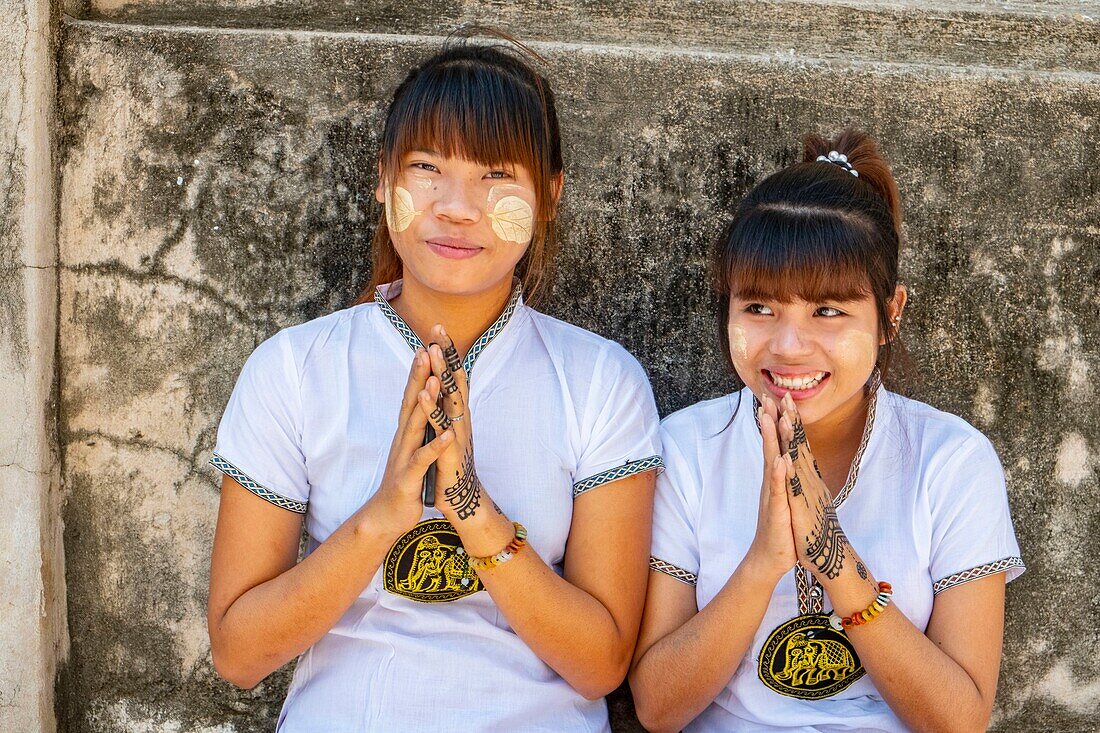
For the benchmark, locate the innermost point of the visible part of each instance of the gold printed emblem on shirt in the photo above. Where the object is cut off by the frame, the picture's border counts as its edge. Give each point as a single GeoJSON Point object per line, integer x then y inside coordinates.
{"type": "Point", "coordinates": [806, 658]}
{"type": "Point", "coordinates": [428, 564]}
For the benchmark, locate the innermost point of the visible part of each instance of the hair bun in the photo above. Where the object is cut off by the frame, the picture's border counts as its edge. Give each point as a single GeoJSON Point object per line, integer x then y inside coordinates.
{"type": "Point", "coordinates": [863, 155]}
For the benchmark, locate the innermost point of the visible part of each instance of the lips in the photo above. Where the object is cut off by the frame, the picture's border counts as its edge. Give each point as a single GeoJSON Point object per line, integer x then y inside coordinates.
{"type": "Point", "coordinates": [800, 384]}
{"type": "Point", "coordinates": [453, 248]}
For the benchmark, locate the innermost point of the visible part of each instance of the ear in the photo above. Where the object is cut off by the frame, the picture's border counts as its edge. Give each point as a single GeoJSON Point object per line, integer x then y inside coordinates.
{"type": "Point", "coordinates": [895, 309]}
{"type": "Point", "coordinates": [556, 185]}
{"type": "Point", "coordinates": [379, 190]}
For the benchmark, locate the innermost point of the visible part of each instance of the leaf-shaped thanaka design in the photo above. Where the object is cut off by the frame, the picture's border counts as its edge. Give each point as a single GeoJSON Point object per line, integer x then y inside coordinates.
{"type": "Point", "coordinates": [400, 210]}
{"type": "Point", "coordinates": [513, 220]}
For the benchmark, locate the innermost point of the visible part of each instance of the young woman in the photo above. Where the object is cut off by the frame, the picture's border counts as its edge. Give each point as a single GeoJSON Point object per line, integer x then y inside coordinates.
{"type": "Point", "coordinates": [857, 586]}
{"type": "Point", "coordinates": [512, 601]}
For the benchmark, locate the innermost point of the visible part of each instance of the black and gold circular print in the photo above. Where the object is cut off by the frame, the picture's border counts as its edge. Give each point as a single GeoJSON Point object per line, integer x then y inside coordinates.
{"type": "Point", "coordinates": [808, 659]}
{"type": "Point", "coordinates": [428, 564]}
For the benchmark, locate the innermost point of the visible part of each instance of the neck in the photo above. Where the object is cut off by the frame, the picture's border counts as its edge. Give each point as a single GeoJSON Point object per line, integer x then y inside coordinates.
{"type": "Point", "coordinates": [465, 317]}
{"type": "Point", "coordinates": [835, 439]}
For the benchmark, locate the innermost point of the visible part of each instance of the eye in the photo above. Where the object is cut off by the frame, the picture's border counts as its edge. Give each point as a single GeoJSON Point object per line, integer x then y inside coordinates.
{"type": "Point", "coordinates": [758, 309]}
{"type": "Point", "coordinates": [498, 175]}
{"type": "Point", "coordinates": [828, 311]}
{"type": "Point", "coordinates": [424, 166]}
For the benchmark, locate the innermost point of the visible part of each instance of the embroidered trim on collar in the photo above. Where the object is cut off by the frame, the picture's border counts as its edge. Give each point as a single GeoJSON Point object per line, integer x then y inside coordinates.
{"type": "Point", "coordinates": [479, 345]}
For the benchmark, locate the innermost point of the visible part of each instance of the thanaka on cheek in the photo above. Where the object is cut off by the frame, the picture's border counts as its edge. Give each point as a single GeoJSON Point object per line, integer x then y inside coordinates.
{"type": "Point", "coordinates": [400, 209]}
{"type": "Point", "coordinates": [739, 345]}
{"type": "Point", "coordinates": [510, 213]}
{"type": "Point", "coordinates": [855, 350]}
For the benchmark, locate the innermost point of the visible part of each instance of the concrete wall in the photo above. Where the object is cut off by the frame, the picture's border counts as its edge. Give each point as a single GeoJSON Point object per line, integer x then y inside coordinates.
{"type": "Point", "coordinates": [32, 593]}
{"type": "Point", "coordinates": [217, 185]}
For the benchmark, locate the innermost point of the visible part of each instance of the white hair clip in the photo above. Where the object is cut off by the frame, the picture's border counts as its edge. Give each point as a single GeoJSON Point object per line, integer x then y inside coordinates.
{"type": "Point", "coordinates": [839, 159]}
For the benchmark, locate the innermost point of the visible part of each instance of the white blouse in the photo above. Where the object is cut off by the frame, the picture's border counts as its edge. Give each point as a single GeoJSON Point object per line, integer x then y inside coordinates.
{"type": "Point", "coordinates": [925, 507]}
{"type": "Point", "coordinates": [557, 411]}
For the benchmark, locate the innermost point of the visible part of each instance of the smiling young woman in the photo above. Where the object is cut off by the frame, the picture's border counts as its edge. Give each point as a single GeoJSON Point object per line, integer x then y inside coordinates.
{"type": "Point", "coordinates": [512, 600]}
{"type": "Point", "coordinates": [834, 556]}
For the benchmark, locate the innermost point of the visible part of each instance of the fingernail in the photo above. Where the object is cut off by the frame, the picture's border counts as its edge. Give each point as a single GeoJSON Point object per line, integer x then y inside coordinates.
{"type": "Point", "coordinates": [442, 331]}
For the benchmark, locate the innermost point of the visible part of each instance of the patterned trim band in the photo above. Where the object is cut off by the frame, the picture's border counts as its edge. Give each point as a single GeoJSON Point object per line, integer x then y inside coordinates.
{"type": "Point", "coordinates": [478, 346]}
{"type": "Point", "coordinates": [678, 573]}
{"type": "Point", "coordinates": [614, 474]}
{"type": "Point", "coordinates": [990, 568]}
{"type": "Point", "coordinates": [291, 505]}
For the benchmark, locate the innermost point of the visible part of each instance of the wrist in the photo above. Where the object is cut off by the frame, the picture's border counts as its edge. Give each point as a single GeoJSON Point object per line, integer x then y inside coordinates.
{"type": "Point", "coordinates": [760, 571]}
{"type": "Point", "coordinates": [485, 533]}
{"type": "Point", "coordinates": [378, 518]}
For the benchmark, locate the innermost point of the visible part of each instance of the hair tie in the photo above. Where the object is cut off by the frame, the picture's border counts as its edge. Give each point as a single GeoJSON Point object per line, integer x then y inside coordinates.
{"type": "Point", "coordinates": [839, 159]}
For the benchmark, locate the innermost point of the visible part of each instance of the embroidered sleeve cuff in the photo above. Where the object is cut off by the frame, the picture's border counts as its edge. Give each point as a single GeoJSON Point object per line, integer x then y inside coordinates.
{"type": "Point", "coordinates": [1014, 566]}
{"type": "Point", "coordinates": [674, 571]}
{"type": "Point", "coordinates": [283, 502]}
{"type": "Point", "coordinates": [614, 474]}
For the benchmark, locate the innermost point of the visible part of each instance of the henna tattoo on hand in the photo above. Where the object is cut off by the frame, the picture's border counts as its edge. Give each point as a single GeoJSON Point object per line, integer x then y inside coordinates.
{"type": "Point", "coordinates": [447, 379]}
{"type": "Point", "coordinates": [798, 438]}
{"type": "Point", "coordinates": [861, 570]}
{"type": "Point", "coordinates": [440, 417]}
{"type": "Point", "coordinates": [796, 486]}
{"type": "Point", "coordinates": [450, 355]}
{"type": "Point", "coordinates": [826, 542]}
{"type": "Point", "coordinates": [465, 495]}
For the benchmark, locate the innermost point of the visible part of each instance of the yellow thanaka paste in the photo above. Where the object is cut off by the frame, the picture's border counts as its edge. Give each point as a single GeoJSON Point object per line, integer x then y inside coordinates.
{"type": "Point", "coordinates": [400, 210]}
{"type": "Point", "coordinates": [511, 215]}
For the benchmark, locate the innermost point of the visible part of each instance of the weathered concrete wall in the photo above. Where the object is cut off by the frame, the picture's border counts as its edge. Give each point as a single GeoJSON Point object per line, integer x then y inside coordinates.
{"type": "Point", "coordinates": [217, 185]}
{"type": "Point", "coordinates": [32, 593]}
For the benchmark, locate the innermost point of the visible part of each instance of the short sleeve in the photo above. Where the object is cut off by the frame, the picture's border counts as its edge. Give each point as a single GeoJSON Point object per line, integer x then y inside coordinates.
{"type": "Point", "coordinates": [621, 421]}
{"type": "Point", "coordinates": [259, 438]}
{"type": "Point", "coordinates": [972, 534]}
{"type": "Point", "coordinates": [675, 549]}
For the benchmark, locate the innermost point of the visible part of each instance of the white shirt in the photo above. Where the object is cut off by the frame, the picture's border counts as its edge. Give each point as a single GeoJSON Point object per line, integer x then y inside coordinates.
{"type": "Point", "coordinates": [557, 411]}
{"type": "Point", "coordinates": [927, 510]}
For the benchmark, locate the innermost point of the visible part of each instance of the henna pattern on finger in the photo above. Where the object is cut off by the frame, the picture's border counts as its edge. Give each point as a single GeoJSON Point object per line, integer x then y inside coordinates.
{"type": "Point", "coordinates": [440, 417]}
{"type": "Point", "coordinates": [796, 486]}
{"type": "Point", "coordinates": [798, 438]}
{"type": "Point", "coordinates": [450, 355]}
{"type": "Point", "coordinates": [447, 379]}
{"type": "Point", "coordinates": [465, 495]}
{"type": "Point", "coordinates": [825, 544]}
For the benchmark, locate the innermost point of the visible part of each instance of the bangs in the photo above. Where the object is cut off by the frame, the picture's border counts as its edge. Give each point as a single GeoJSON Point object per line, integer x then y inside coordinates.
{"type": "Point", "coordinates": [785, 253]}
{"type": "Point", "coordinates": [466, 110]}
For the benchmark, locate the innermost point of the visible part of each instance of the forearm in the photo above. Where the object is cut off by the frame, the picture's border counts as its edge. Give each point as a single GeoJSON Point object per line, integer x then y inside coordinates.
{"type": "Point", "coordinates": [683, 672]}
{"type": "Point", "coordinates": [276, 621]}
{"type": "Point", "coordinates": [909, 670]}
{"type": "Point", "coordinates": [566, 627]}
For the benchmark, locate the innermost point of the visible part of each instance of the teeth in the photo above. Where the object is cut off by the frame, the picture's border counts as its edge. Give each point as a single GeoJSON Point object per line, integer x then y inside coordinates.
{"type": "Point", "coordinates": [805, 382]}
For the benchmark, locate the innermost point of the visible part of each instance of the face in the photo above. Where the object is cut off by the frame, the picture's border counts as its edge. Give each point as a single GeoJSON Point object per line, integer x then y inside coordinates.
{"type": "Point", "coordinates": [459, 227]}
{"type": "Point", "coordinates": [821, 353]}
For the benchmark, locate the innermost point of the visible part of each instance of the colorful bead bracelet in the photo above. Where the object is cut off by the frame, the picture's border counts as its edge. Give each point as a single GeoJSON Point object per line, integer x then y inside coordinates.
{"type": "Point", "coordinates": [518, 543]}
{"type": "Point", "coordinates": [869, 614]}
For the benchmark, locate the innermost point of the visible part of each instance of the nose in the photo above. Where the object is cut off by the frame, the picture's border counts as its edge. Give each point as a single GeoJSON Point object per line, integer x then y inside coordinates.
{"type": "Point", "coordinates": [457, 203]}
{"type": "Point", "coordinates": [790, 340]}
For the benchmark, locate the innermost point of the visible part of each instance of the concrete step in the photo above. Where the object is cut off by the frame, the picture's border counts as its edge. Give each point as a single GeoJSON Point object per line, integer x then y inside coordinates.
{"type": "Point", "coordinates": [1058, 35]}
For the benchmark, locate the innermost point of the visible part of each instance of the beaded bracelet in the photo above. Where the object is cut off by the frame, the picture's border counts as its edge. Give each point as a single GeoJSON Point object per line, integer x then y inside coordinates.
{"type": "Point", "coordinates": [869, 614]}
{"type": "Point", "coordinates": [518, 543]}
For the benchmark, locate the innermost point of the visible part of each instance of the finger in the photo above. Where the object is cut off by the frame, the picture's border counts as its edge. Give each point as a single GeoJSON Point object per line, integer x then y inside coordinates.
{"type": "Point", "coordinates": [806, 461]}
{"type": "Point", "coordinates": [794, 484]}
{"type": "Point", "coordinates": [454, 401]}
{"type": "Point", "coordinates": [777, 480]}
{"type": "Point", "coordinates": [786, 432]}
{"type": "Point", "coordinates": [423, 457]}
{"type": "Point", "coordinates": [418, 373]}
{"type": "Point", "coordinates": [770, 407]}
{"type": "Point", "coordinates": [451, 356]}
{"type": "Point", "coordinates": [430, 407]}
{"type": "Point", "coordinates": [770, 435]}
